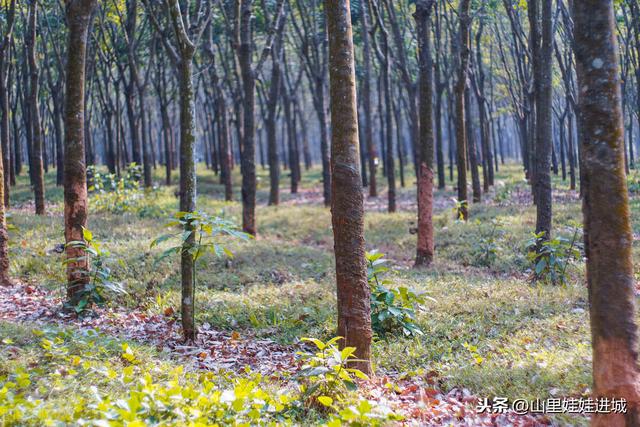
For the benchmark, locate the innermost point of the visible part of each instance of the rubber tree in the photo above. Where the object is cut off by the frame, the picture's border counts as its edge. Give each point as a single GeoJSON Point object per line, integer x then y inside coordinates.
{"type": "Point", "coordinates": [425, 249]}
{"type": "Point", "coordinates": [347, 201]}
{"type": "Point", "coordinates": [605, 206]}
{"type": "Point", "coordinates": [37, 173]}
{"type": "Point", "coordinates": [544, 122]}
{"type": "Point", "coordinates": [6, 32]}
{"type": "Point", "coordinates": [275, 86]}
{"type": "Point", "coordinates": [463, 52]}
{"type": "Point", "coordinates": [248, 74]}
{"type": "Point", "coordinates": [79, 14]}
{"type": "Point", "coordinates": [366, 99]}
{"type": "Point", "coordinates": [181, 48]}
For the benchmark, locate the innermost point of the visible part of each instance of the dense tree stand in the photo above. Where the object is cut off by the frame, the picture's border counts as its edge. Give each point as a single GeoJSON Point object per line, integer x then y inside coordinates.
{"type": "Point", "coordinates": [526, 103]}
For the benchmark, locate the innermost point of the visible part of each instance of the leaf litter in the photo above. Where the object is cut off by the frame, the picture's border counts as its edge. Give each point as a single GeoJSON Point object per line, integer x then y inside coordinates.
{"type": "Point", "coordinates": [418, 400]}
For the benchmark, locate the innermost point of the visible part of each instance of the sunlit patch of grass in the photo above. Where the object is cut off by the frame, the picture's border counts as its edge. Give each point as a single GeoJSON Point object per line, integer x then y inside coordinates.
{"type": "Point", "coordinates": [531, 340]}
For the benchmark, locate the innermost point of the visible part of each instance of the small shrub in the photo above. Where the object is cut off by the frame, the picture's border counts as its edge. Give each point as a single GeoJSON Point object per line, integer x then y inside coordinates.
{"type": "Point", "coordinates": [364, 414]}
{"type": "Point", "coordinates": [8, 217]}
{"type": "Point", "coordinates": [151, 210]}
{"type": "Point", "coordinates": [207, 230]}
{"type": "Point", "coordinates": [503, 194]}
{"type": "Point", "coordinates": [459, 205]}
{"type": "Point", "coordinates": [97, 389]}
{"type": "Point", "coordinates": [110, 193]}
{"type": "Point", "coordinates": [325, 376]}
{"type": "Point", "coordinates": [487, 247]}
{"type": "Point", "coordinates": [99, 274]}
{"type": "Point", "coordinates": [550, 258]}
{"type": "Point", "coordinates": [392, 310]}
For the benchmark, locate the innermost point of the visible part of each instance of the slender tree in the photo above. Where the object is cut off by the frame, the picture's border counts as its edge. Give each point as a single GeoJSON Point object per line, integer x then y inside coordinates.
{"type": "Point", "coordinates": [248, 72]}
{"type": "Point", "coordinates": [181, 48]}
{"type": "Point", "coordinates": [460, 124]}
{"type": "Point", "coordinates": [347, 202]}
{"type": "Point", "coordinates": [6, 32]}
{"type": "Point", "coordinates": [425, 250]}
{"type": "Point", "coordinates": [544, 123]}
{"type": "Point", "coordinates": [607, 222]}
{"type": "Point", "coordinates": [5, 67]}
{"type": "Point", "coordinates": [372, 151]}
{"type": "Point", "coordinates": [79, 14]}
{"type": "Point", "coordinates": [37, 172]}
{"type": "Point", "coordinates": [275, 85]}
{"type": "Point", "coordinates": [310, 32]}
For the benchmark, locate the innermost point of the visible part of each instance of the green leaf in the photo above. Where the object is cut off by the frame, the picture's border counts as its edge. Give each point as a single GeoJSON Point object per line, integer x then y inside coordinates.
{"type": "Point", "coordinates": [351, 386]}
{"type": "Point", "coordinates": [359, 374]}
{"type": "Point", "coordinates": [333, 341]}
{"type": "Point", "coordinates": [325, 400]}
{"type": "Point", "coordinates": [347, 352]}
{"type": "Point", "coordinates": [87, 234]}
{"type": "Point", "coordinates": [317, 342]}
{"type": "Point", "coordinates": [161, 239]}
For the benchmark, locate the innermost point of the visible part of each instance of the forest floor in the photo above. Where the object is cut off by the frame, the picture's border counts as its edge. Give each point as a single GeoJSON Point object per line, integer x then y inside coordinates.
{"type": "Point", "coordinates": [490, 331]}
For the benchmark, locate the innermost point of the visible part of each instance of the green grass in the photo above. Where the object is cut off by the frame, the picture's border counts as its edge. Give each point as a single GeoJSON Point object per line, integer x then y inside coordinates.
{"type": "Point", "coordinates": [532, 339]}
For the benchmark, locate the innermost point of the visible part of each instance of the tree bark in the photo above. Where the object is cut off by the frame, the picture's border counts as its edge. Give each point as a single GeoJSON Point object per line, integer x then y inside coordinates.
{"type": "Point", "coordinates": [607, 224]}
{"type": "Point", "coordinates": [461, 133]}
{"type": "Point", "coordinates": [544, 123]}
{"type": "Point", "coordinates": [187, 185]}
{"type": "Point", "coordinates": [225, 149]}
{"type": "Point", "coordinates": [37, 173]}
{"type": "Point", "coordinates": [425, 247]}
{"type": "Point", "coordinates": [5, 142]}
{"type": "Point", "coordinates": [270, 122]}
{"type": "Point", "coordinates": [4, 134]}
{"type": "Point", "coordinates": [79, 13]}
{"type": "Point", "coordinates": [472, 149]}
{"type": "Point", "coordinates": [366, 100]}
{"type": "Point", "coordinates": [347, 204]}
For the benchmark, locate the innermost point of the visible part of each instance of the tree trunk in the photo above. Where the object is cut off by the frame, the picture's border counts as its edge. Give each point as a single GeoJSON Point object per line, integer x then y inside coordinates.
{"type": "Point", "coordinates": [79, 13]}
{"type": "Point", "coordinates": [147, 161]}
{"type": "Point", "coordinates": [544, 123]}
{"type": "Point", "coordinates": [5, 142]}
{"type": "Point", "coordinates": [270, 122]}
{"type": "Point", "coordinates": [324, 141]}
{"type": "Point", "coordinates": [292, 137]}
{"type": "Point", "coordinates": [366, 100]}
{"type": "Point", "coordinates": [57, 123]}
{"type": "Point", "coordinates": [187, 186]}
{"type": "Point", "coordinates": [472, 149]}
{"type": "Point", "coordinates": [37, 173]}
{"type": "Point", "coordinates": [248, 107]}
{"type": "Point", "coordinates": [425, 248]}
{"type": "Point", "coordinates": [347, 204]}
{"type": "Point", "coordinates": [607, 222]}
{"type": "Point", "coordinates": [571, 152]}
{"type": "Point", "coordinates": [4, 134]}
{"type": "Point", "coordinates": [133, 122]}
{"type": "Point", "coordinates": [387, 121]}
{"type": "Point", "coordinates": [461, 133]}
{"type": "Point", "coordinates": [225, 149]}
